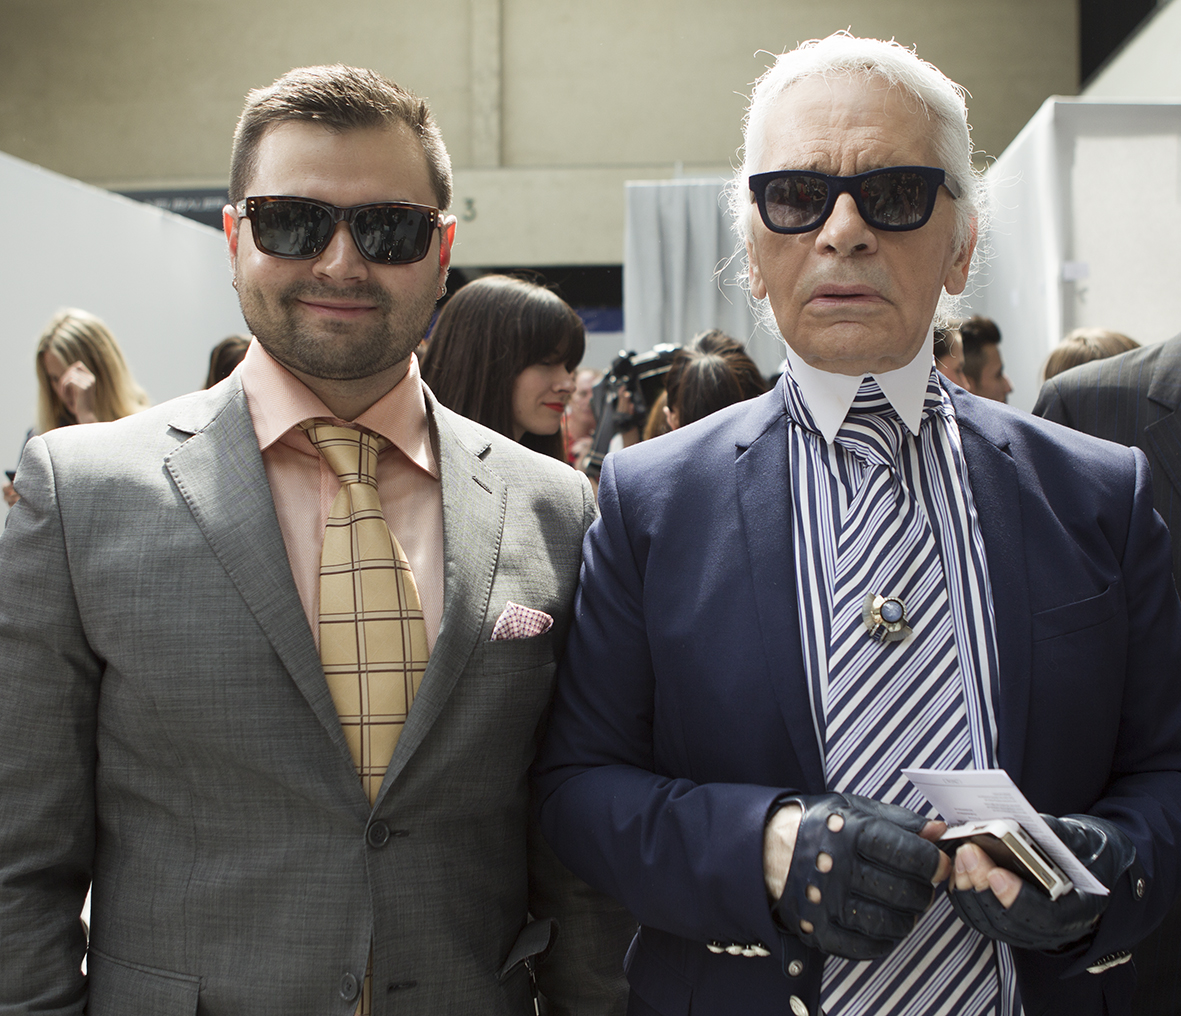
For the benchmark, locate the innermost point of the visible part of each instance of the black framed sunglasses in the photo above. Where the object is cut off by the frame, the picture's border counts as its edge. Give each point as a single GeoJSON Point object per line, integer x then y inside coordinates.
{"type": "Point", "coordinates": [896, 198]}
{"type": "Point", "coordinates": [386, 233]}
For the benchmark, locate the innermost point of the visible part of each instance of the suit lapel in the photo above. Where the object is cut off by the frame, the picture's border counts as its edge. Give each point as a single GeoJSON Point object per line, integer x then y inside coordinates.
{"type": "Point", "coordinates": [761, 471]}
{"type": "Point", "coordinates": [1164, 435]}
{"type": "Point", "coordinates": [997, 495]}
{"type": "Point", "coordinates": [219, 472]}
{"type": "Point", "coordinates": [474, 504]}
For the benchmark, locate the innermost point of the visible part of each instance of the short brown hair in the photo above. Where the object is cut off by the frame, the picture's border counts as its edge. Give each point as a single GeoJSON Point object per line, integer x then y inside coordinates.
{"type": "Point", "coordinates": [339, 98]}
{"type": "Point", "coordinates": [977, 332]}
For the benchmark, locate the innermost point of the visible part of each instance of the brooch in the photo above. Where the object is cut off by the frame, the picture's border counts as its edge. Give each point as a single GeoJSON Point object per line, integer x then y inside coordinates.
{"type": "Point", "coordinates": [885, 618]}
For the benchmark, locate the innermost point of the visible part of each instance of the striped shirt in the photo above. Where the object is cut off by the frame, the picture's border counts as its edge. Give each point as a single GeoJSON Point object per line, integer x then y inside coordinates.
{"type": "Point", "coordinates": [825, 476]}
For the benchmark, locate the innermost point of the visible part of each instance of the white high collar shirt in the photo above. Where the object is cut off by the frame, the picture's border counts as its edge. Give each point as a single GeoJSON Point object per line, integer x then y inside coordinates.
{"type": "Point", "coordinates": [829, 395]}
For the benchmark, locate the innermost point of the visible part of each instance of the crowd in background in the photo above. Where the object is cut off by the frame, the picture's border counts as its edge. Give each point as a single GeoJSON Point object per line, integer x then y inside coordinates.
{"type": "Point", "coordinates": [506, 352]}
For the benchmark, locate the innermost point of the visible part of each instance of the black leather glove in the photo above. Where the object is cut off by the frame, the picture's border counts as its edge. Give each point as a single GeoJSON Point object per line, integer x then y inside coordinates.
{"type": "Point", "coordinates": [880, 880]}
{"type": "Point", "coordinates": [1034, 921]}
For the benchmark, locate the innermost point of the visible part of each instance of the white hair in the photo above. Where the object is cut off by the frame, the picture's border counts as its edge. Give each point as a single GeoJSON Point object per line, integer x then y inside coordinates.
{"type": "Point", "coordinates": [843, 54]}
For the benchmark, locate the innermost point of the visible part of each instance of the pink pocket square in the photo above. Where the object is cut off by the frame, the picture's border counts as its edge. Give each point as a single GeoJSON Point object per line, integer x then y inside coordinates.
{"type": "Point", "coordinates": [519, 622]}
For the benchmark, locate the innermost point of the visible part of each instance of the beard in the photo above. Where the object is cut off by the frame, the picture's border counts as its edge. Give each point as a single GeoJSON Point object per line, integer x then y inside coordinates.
{"type": "Point", "coordinates": [335, 350]}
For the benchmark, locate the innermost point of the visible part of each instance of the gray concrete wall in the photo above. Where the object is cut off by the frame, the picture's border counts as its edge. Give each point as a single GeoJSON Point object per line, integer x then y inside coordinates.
{"type": "Point", "coordinates": [548, 106]}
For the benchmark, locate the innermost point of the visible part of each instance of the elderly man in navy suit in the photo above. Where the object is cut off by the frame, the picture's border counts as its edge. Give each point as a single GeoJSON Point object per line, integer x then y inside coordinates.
{"type": "Point", "coordinates": [867, 570]}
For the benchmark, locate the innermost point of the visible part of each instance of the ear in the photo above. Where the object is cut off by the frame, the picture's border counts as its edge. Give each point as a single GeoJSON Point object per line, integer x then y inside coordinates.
{"type": "Point", "coordinates": [957, 274]}
{"type": "Point", "coordinates": [758, 288]}
{"type": "Point", "coordinates": [446, 241]}
{"type": "Point", "coordinates": [229, 223]}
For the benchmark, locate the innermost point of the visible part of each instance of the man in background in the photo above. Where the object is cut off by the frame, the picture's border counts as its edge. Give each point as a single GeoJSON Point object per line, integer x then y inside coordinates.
{"type": "Point", "coordinates": [949, 354]}
{"type": "Point", "coordinates": [984, 369]}
{"type": "Point", "coordinates": [273, 656]}
{"type": "Point", "coordinates": [1134, 398]}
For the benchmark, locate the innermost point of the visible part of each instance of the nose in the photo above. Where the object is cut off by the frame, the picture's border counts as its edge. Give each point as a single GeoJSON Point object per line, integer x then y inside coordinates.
{"type": "Point", "coordinates": [845, 231]}
{"type": "Point", "coordinates": [340, 260]}
{"type": "Point", "coordinates": [565, 382]}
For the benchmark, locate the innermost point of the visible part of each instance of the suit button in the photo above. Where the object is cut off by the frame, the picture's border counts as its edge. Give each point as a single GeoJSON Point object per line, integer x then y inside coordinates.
{"type": "Point", "coordinates": [348, 987]}
{"type": "Point", "coordinates": [378, 834]}
{"type": "Point", "coordinates": [795, 968]}
{"type": "Point", "coordinates": [797, 1005]}
{"type": "Point", "coordinates": [1141, 888]}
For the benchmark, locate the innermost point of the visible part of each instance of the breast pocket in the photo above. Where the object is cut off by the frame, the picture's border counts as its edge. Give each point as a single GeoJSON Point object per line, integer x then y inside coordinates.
{"type": "Point", "coordinates": [1080, 654]}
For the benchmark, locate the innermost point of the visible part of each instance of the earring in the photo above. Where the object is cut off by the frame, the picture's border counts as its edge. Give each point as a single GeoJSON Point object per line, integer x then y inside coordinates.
{"type": "Point", "coordinates": [442, 292]}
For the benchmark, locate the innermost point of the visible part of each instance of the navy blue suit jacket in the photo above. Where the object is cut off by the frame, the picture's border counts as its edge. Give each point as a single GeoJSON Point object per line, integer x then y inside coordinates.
{"type": "Point", "coordinates": [682, 708]}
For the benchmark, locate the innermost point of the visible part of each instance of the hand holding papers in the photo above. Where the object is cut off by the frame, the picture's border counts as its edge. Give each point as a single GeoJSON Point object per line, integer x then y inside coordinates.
{"type": "Point", "coordinates": [976, 795]}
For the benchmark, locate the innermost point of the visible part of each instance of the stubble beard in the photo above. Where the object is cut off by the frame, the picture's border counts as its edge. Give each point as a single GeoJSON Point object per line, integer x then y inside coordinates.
{"type": "Point", "coordinates": [335, 350]}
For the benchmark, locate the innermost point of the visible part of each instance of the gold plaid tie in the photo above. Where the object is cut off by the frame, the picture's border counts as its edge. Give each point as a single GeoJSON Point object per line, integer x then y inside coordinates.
{"type": "Point", "coordinates": [372, 635]}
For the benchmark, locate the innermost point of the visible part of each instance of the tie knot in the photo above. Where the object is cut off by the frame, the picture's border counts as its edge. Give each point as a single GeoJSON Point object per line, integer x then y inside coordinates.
{"type": "Point", "coordinates": [350, 451]}
{"type": "Point", "coordinates": [875, 438]}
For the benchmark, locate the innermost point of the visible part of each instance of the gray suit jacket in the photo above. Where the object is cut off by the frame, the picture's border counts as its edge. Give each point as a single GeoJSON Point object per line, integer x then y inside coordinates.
{"type": "Point", "coordinates": [166, 731]}
{"type": "Point", "coordinates": [1135, 399]}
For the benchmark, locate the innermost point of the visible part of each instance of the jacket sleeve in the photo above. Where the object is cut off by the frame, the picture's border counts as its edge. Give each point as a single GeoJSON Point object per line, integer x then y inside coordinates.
{"type": "Point", "coordinates": [1051, 404]}
{"type": "Point", "coordinates": [1143, 796]}
{"type": "Point", "coordinates": [681, 856]}
{"type": "Point", "coordinates": [49, 686]}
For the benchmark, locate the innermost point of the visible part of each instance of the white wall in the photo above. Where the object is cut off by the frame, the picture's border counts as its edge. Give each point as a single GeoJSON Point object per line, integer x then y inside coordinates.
{"type": "Point", "coordinates": [161, 283]}
{"type": "Point", "coordinates": [1085, 201]}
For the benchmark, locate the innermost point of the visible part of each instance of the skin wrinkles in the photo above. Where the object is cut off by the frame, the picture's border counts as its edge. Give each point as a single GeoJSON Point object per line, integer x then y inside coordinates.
{"type": "Point", "coordinates": [850, 299]}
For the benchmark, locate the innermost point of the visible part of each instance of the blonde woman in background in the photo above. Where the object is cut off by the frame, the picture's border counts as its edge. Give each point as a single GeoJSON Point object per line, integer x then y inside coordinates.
{"type": "Point", "coordinates": [1084, 345]}
{"type": "Point", "coordinates": [83, 377]}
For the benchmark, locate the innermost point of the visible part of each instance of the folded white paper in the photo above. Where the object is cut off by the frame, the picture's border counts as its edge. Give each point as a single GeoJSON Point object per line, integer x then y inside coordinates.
{"type": "Point", "coordinates": [975, 795]}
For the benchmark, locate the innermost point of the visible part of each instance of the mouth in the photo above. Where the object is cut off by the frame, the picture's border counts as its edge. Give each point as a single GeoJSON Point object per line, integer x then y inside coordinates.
{"type": "Point", "coordinates": [832, 295]}
{"type": "Point", "coordinates": [338, 308]}
{"type": "Point", "coordinates": [556, 407]}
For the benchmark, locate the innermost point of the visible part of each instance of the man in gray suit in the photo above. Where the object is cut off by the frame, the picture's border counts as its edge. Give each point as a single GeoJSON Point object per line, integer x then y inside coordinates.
{"type": "Point", "coordinates": [1133, 399]}
{"type": "Point", "coordinates": [167, 732]}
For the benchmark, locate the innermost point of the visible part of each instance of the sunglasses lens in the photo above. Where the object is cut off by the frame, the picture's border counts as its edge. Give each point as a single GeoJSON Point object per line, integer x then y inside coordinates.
{"type": "Point", "coordinates": [894, 198]}
{"type": "Point", "coordinates": [391, 234]}
{"type": "Point", "coordinates": [795, 201]}
{"type": "Point", "coordinates": [292, 229]}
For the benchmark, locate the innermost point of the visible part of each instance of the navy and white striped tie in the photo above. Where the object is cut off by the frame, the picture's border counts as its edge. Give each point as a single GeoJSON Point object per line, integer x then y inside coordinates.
{"type": "Point", "coordinates": [899, 704]}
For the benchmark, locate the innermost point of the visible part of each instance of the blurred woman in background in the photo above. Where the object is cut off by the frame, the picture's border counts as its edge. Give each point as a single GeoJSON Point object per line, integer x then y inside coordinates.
{"type": "Point", "coordinates": [712, 372]}
{"type": "Point", "coordinates": [83, 375]}
{"type": "Point", "coordinates": [225, 356]}
{"type": "Point", "coordinates": [503, 353]}
{"type": "Point", "coordinates": [1084, 345]}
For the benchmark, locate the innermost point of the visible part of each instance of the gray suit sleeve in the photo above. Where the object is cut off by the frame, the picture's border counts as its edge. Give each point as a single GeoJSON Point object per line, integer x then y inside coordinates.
{"type": "Point", "coordinates": [49, 684]}
{"type": "Point", "coordinates": [583, 975]}
{"type": "Point", "coordinates": [1051, 405]}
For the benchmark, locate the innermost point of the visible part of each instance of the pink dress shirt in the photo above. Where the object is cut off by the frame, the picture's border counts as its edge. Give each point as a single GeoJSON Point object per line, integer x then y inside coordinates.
{"type": "Point", "coordinates": [303, 485]}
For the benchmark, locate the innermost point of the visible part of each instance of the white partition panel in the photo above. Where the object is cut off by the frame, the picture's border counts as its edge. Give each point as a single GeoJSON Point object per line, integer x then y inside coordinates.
{"type": "Point", "coordinates": [1086, 203]}
{"type": "Point", "coordinates": [680, 276]}
{"type": "Point", "coordinates": [161, 283]}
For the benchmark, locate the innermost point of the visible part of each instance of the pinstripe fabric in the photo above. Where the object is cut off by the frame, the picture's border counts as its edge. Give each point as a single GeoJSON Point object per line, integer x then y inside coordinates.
{"type": "Point", "coordinates": [373, 641]}
{"type": "Point", "coordinates": [880, 511]}
{"type": "Point", "coordinates": [1134, 399]}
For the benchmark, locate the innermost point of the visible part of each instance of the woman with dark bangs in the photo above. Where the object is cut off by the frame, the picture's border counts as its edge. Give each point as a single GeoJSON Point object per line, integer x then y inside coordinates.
{"type": "Point", "coordinates": [503, 353]}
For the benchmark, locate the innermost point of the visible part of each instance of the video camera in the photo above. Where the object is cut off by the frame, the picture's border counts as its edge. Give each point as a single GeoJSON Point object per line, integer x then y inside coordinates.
{"type": "Point", "coordinates": [641, 376]}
